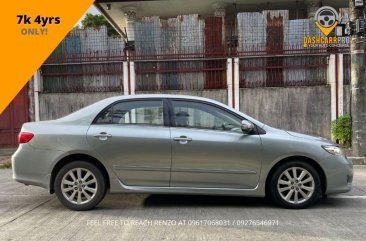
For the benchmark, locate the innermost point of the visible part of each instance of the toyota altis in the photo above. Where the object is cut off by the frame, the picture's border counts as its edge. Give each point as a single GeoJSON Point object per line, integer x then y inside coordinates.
{"type": "Point", "coordinates": [175, 144]}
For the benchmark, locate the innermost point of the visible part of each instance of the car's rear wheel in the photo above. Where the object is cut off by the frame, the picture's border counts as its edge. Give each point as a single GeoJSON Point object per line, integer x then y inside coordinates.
{"type": "Point", "coordinates": [80, 185]}
{"type": "Point", "coordinates": [295, 184]}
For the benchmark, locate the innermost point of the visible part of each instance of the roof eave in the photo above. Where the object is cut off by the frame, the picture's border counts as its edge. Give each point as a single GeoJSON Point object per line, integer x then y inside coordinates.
{"type": "Point", "coordinates": [98, 5]}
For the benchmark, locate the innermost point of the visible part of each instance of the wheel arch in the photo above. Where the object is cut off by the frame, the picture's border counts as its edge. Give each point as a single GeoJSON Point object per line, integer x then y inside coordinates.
{"type": "Point", "coordinates": [77, 157]}
{"type": "Point", "coordinates": [308, 160]}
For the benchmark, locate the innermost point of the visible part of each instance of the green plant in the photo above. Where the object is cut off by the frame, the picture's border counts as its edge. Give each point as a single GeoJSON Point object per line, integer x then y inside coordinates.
{"type": "Point", "coordinates": [97, 20]}
{"type": "Point", "coordinates": [342, 129]}
{"type": "Point", "coordinates": [5, 165]}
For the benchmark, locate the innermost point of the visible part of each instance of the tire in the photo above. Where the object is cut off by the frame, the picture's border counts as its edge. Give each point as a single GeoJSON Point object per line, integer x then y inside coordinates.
{"type": "Point", "coordinates": [284, 187]}
{"type": "Point", "coordinates": [80, 194]}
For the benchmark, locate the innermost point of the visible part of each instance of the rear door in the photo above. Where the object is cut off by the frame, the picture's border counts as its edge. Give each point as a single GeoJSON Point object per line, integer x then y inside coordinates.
{"type": "Point", "coordinates": [132, 138]}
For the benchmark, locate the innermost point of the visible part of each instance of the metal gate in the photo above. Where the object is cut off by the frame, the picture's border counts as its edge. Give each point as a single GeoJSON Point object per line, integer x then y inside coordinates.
{"type": "Point", "coordinates": [12, 119]}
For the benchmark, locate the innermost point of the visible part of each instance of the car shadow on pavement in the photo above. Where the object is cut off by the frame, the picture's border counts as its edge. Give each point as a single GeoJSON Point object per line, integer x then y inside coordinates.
{"type": "Point", "coordinates": [128, 201]}
{"type": "Point", "coordinates": [175, 200]}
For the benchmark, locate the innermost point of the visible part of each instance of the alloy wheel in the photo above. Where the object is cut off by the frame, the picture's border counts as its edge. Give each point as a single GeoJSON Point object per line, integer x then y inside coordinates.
{"type": "Point", "coordinates": [296, 185]}
{"type": "Point", "coordinates": [79, 186]}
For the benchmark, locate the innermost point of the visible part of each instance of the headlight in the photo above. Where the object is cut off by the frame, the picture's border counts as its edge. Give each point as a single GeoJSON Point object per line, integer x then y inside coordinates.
{"type": "Point", "coordinates": [334, 150]}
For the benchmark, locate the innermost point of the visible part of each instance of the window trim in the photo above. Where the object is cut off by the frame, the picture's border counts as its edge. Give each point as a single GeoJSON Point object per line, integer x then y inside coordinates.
{"type": "Point", "coordinates": [165, 113]}
{"type": "Point", "coordinates": [168, 113]}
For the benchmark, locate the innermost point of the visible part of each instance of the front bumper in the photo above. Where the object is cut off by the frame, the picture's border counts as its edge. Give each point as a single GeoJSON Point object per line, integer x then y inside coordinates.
{"type": "Point", "coordinates": [339, 174]}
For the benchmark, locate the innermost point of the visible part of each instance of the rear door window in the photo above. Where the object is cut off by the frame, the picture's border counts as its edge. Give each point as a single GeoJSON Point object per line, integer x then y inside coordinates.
{"type": "Point", "coordinates": [149, 112]}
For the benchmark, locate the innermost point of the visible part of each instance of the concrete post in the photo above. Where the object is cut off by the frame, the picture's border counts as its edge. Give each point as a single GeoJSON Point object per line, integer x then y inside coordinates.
{"type": "Point", "coordinates": [232, 78]}
{"type": "Point", "coordinates": [335, 80]}
{"type": "Point", "coordinates": [219, 10]}
{"type": "Point", "coordinates": [229, 80]}
{"type": "Point", "coordinates": [236, 83]}
{"type": "Point", "coordinates": [125, 78]}
{"type": "Point", "coordinates": [358, 86]}
{"type": "Point", "coordinates": [332, 82]}
{"type": "Point", "coordinates": [132, 78]}
{"type": "Point", "coordinates": [37, 84]}
{"type": "Point", "coordinates": [312, 7]}
{"type": "Point", "coordinates": [129, 66]}
{"type": "Point", "coordinates": [130, 13]}
{"type": "Point", "coordinates": [340, 84]}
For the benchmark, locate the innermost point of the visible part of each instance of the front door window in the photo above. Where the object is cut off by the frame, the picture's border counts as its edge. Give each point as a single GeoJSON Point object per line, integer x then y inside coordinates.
{"type": "Point", "coordinates": [203, 116]}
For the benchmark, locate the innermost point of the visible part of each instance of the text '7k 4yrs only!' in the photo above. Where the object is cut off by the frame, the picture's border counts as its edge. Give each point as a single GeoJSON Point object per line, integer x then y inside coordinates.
{"type": "Point", "coordinates": [38, 20]}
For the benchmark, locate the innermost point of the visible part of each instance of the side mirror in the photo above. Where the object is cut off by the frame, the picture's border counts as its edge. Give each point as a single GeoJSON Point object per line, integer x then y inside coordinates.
{"type": "Point", "coordinates": [247, 127]}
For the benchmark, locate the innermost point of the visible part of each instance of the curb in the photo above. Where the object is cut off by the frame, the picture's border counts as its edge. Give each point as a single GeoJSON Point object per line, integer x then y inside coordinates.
{"type": "Point", "coordinates": [4, 159]}
{"type": "Point", "coordinates": [357, 160]}
{"type": "Point", "coordinates": [7, 151]}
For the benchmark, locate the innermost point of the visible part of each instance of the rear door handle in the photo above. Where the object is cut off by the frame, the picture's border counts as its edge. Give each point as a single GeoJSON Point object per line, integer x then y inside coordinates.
{"type": "Point", "coordinates": [182, 139]}
{"type": "Point", "coordinates": [103, 136]}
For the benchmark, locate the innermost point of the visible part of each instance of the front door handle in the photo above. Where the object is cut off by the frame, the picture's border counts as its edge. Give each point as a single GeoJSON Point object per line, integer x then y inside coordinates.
{"type": "Point", "coordinates": [103, 136]}
{"type": "Point", "coordinates": [182, 139]}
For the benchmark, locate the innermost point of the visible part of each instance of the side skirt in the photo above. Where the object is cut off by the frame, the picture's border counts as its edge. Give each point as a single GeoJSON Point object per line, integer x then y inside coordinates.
{"type": "Point", "coordinates": [118, 187]}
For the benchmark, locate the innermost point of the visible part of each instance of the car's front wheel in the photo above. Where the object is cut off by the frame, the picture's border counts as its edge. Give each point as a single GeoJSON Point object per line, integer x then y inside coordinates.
{"type": "Point", "coordinates": [80, 185]}
{"type": "Point", "coordinates": [295, 184]}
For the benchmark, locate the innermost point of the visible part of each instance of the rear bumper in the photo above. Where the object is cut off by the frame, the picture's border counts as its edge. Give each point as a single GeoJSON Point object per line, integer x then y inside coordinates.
{"type": "Point", "coordinates": [33, 166]}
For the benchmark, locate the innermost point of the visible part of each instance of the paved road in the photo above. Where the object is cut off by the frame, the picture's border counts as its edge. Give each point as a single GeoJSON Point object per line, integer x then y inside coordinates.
{"type": "Point", "coordinates": [30, 213]}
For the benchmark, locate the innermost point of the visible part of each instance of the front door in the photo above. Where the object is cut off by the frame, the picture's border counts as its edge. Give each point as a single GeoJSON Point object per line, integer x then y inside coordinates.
{"type": "Point", "coordinates": [210, 150]}
{"type": "Point", "coordinates": [131, 137]}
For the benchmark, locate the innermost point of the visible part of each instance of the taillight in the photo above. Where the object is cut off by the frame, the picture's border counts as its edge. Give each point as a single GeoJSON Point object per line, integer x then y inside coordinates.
{"type": "Point", "coordinates": [24, 137]}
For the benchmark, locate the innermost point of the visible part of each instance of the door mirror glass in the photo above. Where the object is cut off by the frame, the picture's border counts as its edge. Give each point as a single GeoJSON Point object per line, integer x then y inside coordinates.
{"type": "Point", "coordinates": [247, 127]}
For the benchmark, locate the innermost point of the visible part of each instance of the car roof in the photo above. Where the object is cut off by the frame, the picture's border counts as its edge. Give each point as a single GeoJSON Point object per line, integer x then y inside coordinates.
{"type": "Point", "coordinates": [165, 96]}
{"type": "Point", "coordinates": [171, 96]}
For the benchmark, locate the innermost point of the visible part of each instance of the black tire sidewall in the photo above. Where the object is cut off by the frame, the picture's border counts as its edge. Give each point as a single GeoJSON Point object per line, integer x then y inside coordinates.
{"type": "Point", "coordinates": [101, 184]}
{"type": "Point", "coordinates": [274, 179]}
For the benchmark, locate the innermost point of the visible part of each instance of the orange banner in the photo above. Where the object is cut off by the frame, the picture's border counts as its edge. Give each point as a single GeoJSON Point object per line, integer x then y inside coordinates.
{"type": "Point", "coordinates": [32, 29]}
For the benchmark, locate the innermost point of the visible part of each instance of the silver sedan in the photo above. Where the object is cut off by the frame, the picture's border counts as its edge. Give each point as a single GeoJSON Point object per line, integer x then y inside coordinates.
{"type": "Point", "coordinates": [175, 144]}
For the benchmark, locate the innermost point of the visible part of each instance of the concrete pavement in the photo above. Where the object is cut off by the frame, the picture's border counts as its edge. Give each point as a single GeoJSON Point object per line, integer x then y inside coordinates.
{"type": "Point", "coordinates": [30, 213]}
